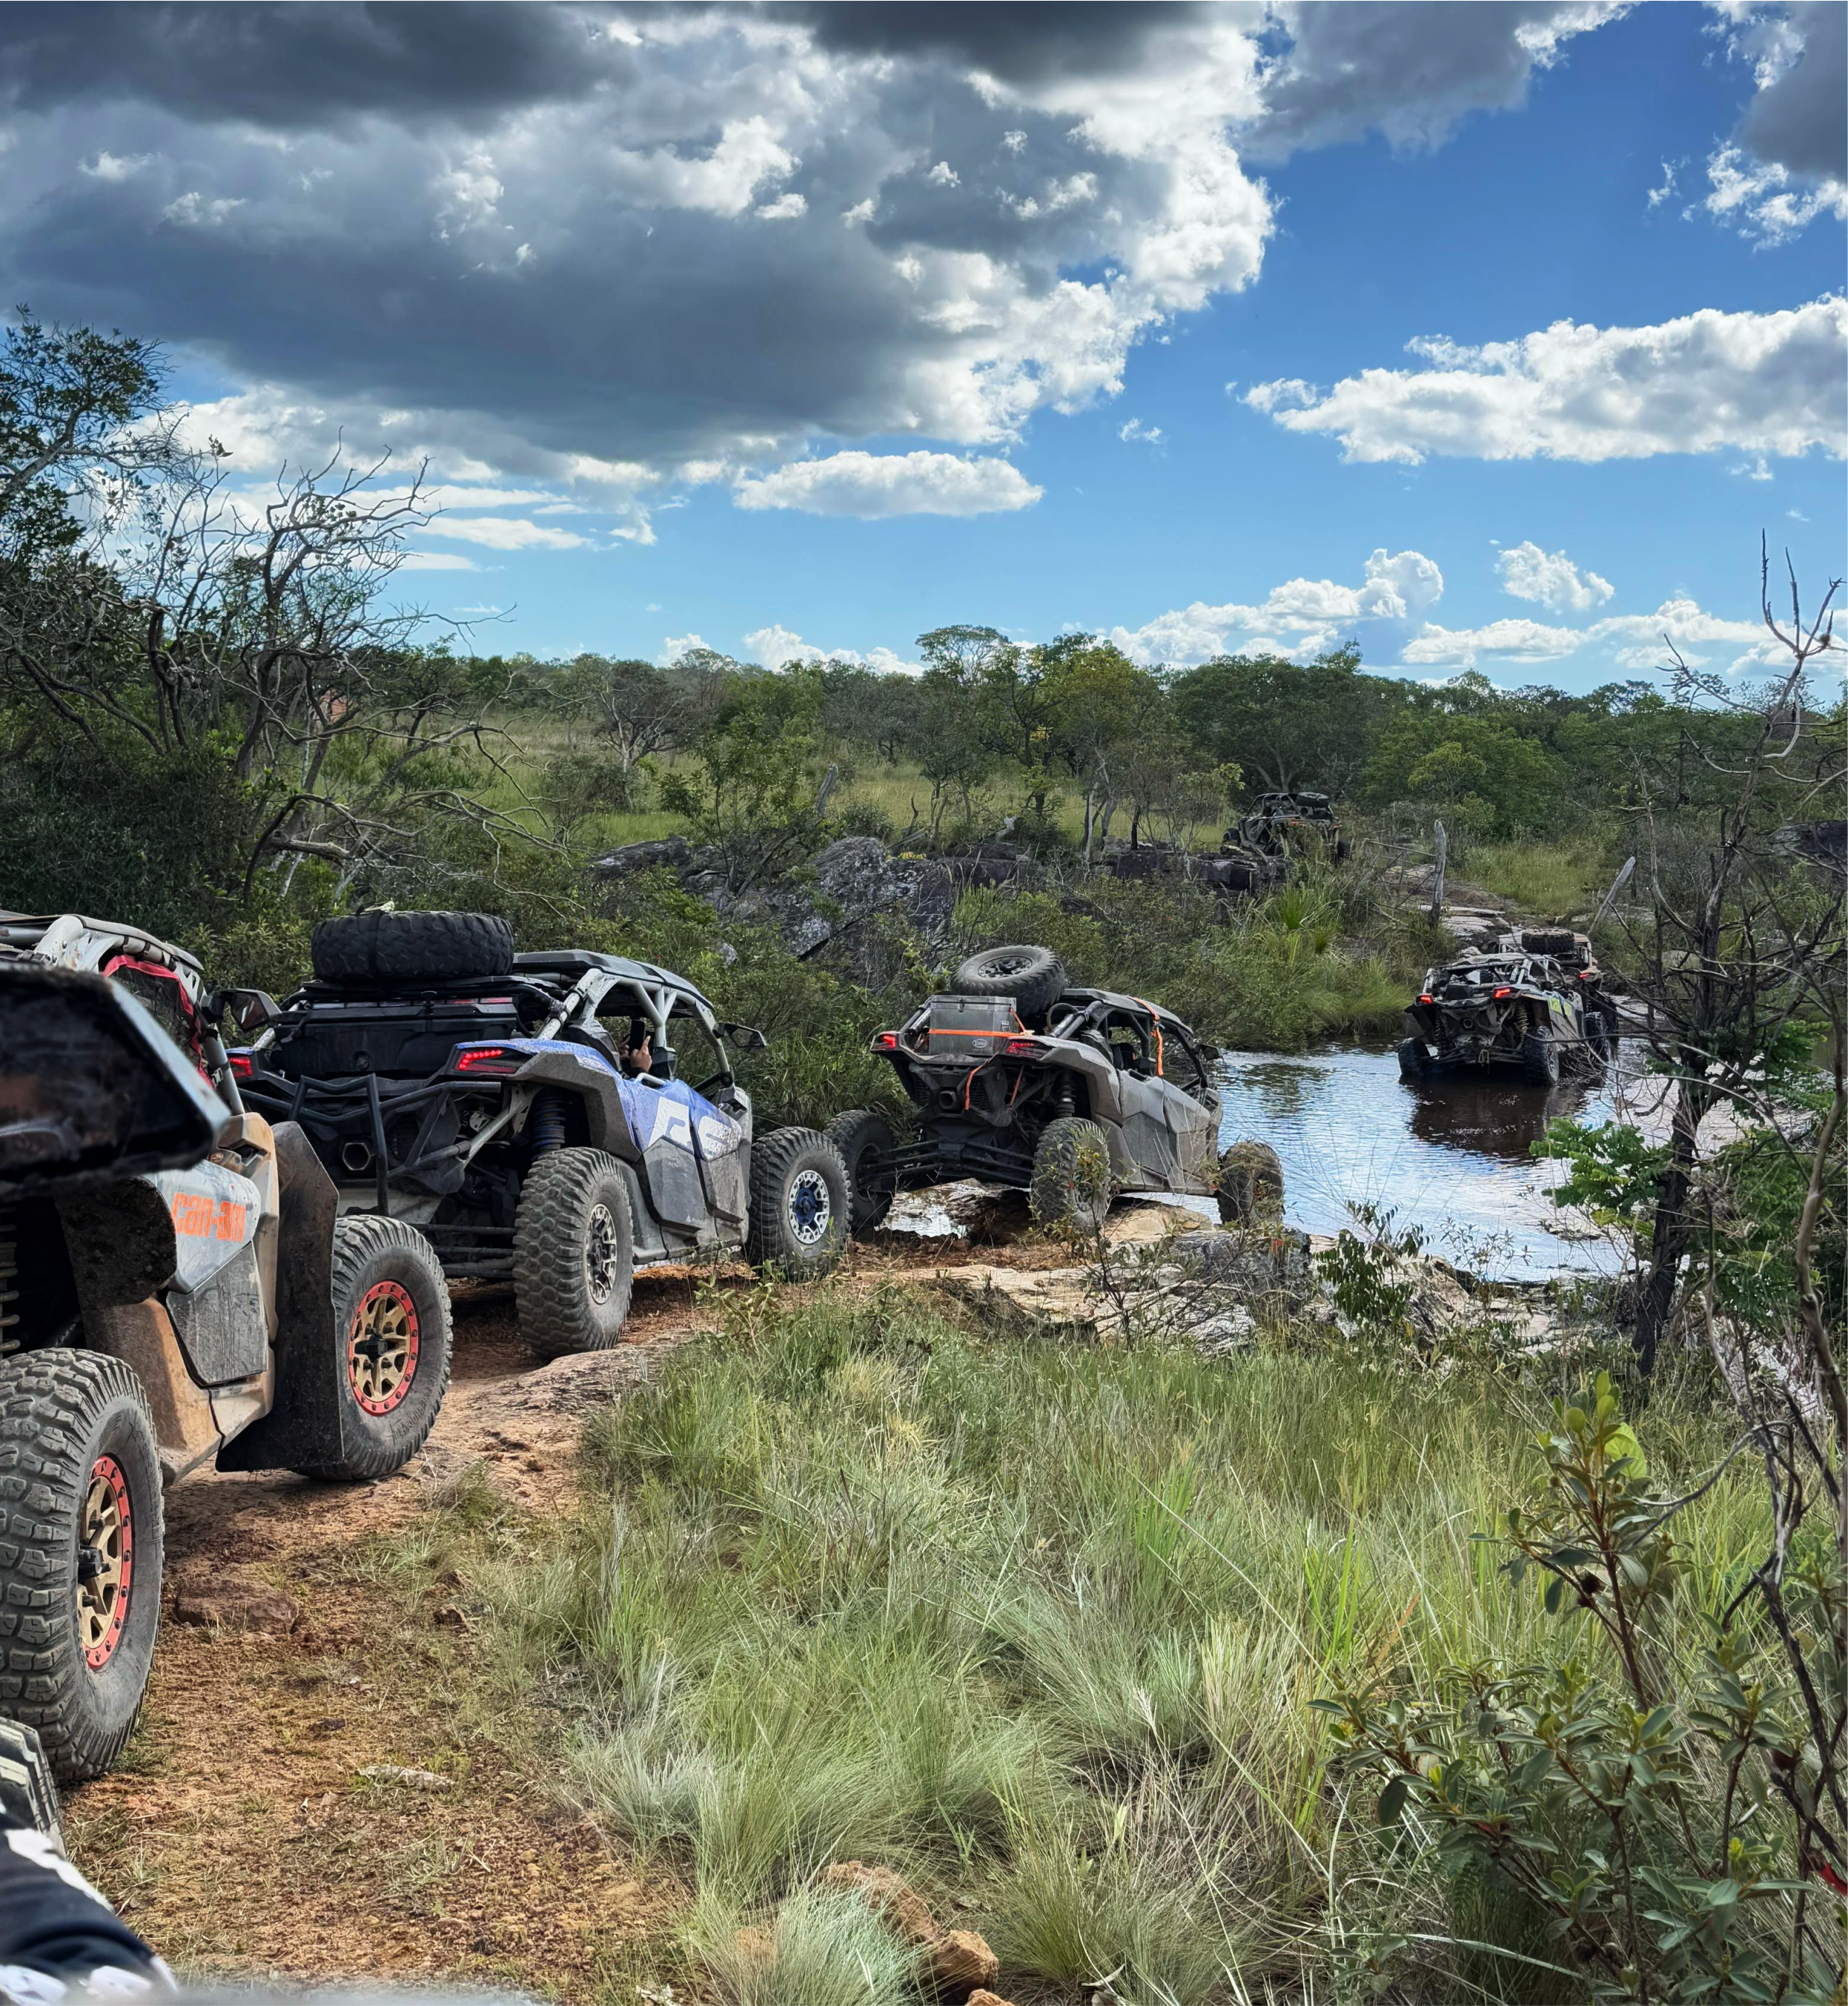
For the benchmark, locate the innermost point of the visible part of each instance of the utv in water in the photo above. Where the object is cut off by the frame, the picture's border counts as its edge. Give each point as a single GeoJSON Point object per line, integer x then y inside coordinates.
{"type": "Point", "coordinates": [1070, 1095]}
{"type": "Point", "coordinates": [489, 1098]}
{"type": "Point", "coordinates": [1535, 1004]}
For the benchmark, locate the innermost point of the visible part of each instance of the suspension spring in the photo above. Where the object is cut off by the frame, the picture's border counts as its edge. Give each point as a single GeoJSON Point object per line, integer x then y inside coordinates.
{"type": "Point", "coordinates": [548, 1120]}
{"type": "Point", "coordinates": [9, 1280]}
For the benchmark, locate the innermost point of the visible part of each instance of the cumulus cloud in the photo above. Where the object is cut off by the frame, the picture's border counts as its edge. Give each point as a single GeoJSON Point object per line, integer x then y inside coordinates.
{"type": "Point", "coordinates": [1551, 578]}
{"type": "Point", "coordinates": [1137, 432]}
{"type": "Point", "coordinates": [1305, 616]}
{"type": "Point", "coordinates": [1770, 383]}
{"type": "Point", "coordinates": [874, 485]}
{"type": "Point", "coordinates": [775, 646]}
{"type": "Point", "coordinates": [1788, 162]}
{"type": "Point", "coordinates": [1763, 201]}
{"type": "Point", "coordinates": [1634, 641]}
{"type": "Point", "coordinates": [631, 226]}
{"type": "Point", "coordinates": [1411, 71]}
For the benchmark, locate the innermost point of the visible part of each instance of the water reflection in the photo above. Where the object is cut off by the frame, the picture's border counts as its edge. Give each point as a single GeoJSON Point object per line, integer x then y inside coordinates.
{"type": "Point", "coordinates": [1451, 1155]}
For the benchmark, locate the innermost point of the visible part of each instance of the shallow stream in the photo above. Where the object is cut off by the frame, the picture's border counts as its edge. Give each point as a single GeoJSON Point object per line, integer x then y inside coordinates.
{"type": "Point", "coordinates": [1449, 1156]}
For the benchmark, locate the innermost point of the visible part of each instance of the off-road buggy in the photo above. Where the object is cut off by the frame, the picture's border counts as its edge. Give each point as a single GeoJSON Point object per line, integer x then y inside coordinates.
{"type": "Point", "coordinates": [1536, 1002]}
{"type": "Point", "coordinates": [176, 1292]}
{"type": "Point", "coordinates": [489, 1098]}
{"type": "Point", "coordinates": [1071, 1094]}
{"type": "Point", "coordinates": [1282, 824]}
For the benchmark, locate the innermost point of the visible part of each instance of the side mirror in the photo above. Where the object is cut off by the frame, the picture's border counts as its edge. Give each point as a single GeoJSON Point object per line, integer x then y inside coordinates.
{"type": "Point", "coordinates": [744, 1037]}
{"type": "Point", "coordinates": [249, 1009]}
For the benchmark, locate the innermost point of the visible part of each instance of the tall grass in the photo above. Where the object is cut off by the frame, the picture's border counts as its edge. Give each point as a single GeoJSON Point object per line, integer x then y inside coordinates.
{"type": "Point", "coordinates": [1551, 881]}
{"type": "Point", "coordinates": [1038, 1626]}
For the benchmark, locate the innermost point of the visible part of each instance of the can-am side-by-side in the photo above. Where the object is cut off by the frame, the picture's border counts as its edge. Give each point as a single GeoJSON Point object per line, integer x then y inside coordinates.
{"type": "Point", "coordinates": [562, 1119]}
{"type": "Point", "coordinates": [1536, 1003]}
{"type": "Point", "coordinates": [177, 1294]}
{"type": "Point", "coordinates": [1071, 1094]}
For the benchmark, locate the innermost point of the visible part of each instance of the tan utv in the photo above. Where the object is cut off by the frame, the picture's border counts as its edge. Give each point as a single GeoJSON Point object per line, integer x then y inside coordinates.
{"type": "Point", "coordinates": [176, 1294]}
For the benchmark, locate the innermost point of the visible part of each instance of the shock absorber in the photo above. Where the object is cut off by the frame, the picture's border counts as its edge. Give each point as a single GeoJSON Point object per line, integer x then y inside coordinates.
{"type": "Point", "coordinates": [547, 1122]}
{"type": "Point", "coordinates": [9, 1280]}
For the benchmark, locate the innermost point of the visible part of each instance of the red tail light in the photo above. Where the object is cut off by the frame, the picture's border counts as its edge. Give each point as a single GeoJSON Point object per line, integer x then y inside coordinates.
{"type": "Point", "coordinates": [497, 1059]}
{"type": "Point", "coordinates": [887, 1041]}
{"type": "Point", "coordinates": [1427, 999]}
{"type": "Point", "coordinates": [242, 1063]}
{"type": "Point", "coordinates": [1501, 993]}
{"type": "Point", "coordinates": [1585, 975]}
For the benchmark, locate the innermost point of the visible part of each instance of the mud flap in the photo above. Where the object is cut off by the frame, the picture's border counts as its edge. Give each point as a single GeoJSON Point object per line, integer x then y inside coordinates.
{"type": "Point", "coordinates": [308, 1426]}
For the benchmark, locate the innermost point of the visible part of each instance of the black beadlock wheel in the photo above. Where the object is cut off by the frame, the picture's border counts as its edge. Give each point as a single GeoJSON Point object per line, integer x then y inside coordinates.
{"type": "Point", "coordinates": [866, 1141]}
{"type": "Point", "coordinates": [1540, 1058]}
{"type": "Point", "coordinates": [801, 1203]}
{"type": "Point", "coordinates": [1414, 1061]}
{"type": "Point", "coordinates": [1033, 976]}
{"type": "Point", "coordinates": [370, 950]}
{"type": "Point", "coordinates": [391, 1324]}
{"type": "Point", "coordinates": [1071, 1186]}
{"type": "Point", "coordinates": [574, 1253]}
{"type": "Point", "coordinates": [81, 1554]}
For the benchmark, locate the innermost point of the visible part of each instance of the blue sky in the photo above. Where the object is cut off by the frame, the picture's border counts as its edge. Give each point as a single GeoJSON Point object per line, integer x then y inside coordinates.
{"type": "Point", "coordinates": [647, 330]}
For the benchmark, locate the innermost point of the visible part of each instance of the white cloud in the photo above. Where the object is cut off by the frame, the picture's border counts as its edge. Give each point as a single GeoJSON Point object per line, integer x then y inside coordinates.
{"type": "Point", "coordinates": [1304, 616]}
{"type": "Point", "coordinates": [1763, 201]}
{"type": "Point", "coordinates": [438, 561]}
{"type": "Point", "coordinates": [677, 645]}
{"type": "Point", "coordinates": [108, 167]}
{"type": "Point", "coordinates": [862, 212]}
{"type": "Point", "coordinates": [1635, 641]}
{"type": "Point", "coordinates": [196, 212]}
{"type": "Point", "coordinates": [1135, 431]}
{"type": "Point", "coordinates": [503, 532]}
{"type": "Point", "coordinates": [785, 209]}
{"type": "Point", "coordinates": [1659, 195]}
{"type": "Point", "coordinates": [1551, 578]}
{"type": "Point", "coordinates": [944, 175]}
{"type": "Point", "coordinates": [874, 485]}
{"type": "Point", "coordinates": [1763, 382]}
{"type": "Point", "coordinates": [775, 646]}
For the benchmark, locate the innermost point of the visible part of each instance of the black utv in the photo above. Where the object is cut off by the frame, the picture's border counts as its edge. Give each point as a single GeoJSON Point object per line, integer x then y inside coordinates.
{"type": "Point", "coordinates": [1536, 1004]}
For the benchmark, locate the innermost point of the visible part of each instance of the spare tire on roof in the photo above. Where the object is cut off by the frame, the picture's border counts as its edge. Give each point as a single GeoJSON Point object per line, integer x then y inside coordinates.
{"type": "Point", "coordinates": [1033, 976]}
{"type": "Point", "coordinates": [377, 950]}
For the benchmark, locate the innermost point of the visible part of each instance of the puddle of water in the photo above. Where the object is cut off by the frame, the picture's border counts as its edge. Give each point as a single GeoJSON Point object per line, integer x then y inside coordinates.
{"type": "Point", "coordinates": [1449, 1156]}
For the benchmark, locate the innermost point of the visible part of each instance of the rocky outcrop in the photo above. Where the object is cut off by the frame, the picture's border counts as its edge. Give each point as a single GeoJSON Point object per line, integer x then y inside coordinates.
{"type": "Point", "coordinates": [955, 1965]}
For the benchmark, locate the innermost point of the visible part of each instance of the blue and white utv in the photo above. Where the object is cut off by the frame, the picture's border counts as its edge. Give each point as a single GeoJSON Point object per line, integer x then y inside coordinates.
{"type": "Point", "coordinates": [560, 1120]}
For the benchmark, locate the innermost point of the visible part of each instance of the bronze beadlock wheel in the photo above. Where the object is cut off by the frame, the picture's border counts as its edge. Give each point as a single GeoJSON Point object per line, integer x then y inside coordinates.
{"type": "Point", "coordinates": [382, 1347]}
{"type": "Point", "coordinates": [105, 1562]}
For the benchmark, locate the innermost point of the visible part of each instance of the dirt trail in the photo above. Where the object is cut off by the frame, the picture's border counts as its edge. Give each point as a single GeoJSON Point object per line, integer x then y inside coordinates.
{"type": "Point", "coordinates": [239, 1835]}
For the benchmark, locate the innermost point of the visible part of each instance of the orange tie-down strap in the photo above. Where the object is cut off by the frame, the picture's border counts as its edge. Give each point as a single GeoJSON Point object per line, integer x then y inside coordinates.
{"type": "Point", "coordinates": [1160, 1055]}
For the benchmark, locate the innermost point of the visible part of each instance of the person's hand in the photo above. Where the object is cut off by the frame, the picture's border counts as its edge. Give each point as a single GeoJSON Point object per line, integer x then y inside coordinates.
{"type": "Point", "coordinates": [641, 1057]}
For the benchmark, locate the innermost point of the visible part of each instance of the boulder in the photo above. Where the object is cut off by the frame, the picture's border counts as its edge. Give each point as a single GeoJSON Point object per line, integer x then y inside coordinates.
{"type": "Point", "coordinates": [959, 1963]}
{"type": "Point", "coordinates": [671, 853]}
{"type": "Point", "coordinates": [1267, 1265]}
{"type": "Point", "coordinates": [889, 1896]}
